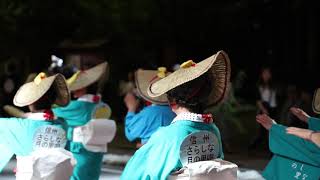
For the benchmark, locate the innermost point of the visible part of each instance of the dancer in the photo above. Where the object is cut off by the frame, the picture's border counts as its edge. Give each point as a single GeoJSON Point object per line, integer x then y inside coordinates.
{"type": "Point", "coordinates": [293, 157]}
{"type": "Point", "coordinates": [190, 90]}
{"type": "Point", "coordinates": [79, 114]}
{"type": "Point", "coordinates": [141, 125]}
{"type": "Point", "coordinates": [38, 134]}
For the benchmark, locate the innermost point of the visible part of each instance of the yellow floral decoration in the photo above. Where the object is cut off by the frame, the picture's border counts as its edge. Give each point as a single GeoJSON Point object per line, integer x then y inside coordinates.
{"type": "Point", "coordinates": [187, 64]}
{"type": "Point", "coordinates": [37, 80]}
{"type": "Point", "coordinates": [162, 72]}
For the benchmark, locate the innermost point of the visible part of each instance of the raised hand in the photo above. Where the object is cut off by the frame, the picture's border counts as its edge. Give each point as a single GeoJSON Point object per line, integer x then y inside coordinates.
{"type": "Point", "coordinates": [265, 121]}
{"type": "Point", "coordinates": [303, 116]}
{"type": "Point", "coordinates": [131, 102]}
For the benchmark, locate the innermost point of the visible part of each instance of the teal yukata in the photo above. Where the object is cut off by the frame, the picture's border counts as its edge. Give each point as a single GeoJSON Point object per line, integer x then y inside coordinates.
{"type": "Point", "coordinates": [17, 136]}
{"type": "Point", "coordinates": [294, 158]}
{"type": "Point", "coordinates": [143, 124]}
{"type": "Point", "coordinates": [78, 113]}
{"type": "Point", "coordinates": [161, 155]}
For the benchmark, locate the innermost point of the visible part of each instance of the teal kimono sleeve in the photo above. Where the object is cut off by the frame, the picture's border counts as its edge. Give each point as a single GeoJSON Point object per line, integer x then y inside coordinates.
{"type": "Point", "coordinates": [282, 168]}
{"type": "Point", "coordinates": [314, 124]}
{"type": "Point", "coordinates": [293, 147]}
{"type": "Point", "coordinates": [5, 155]}
{"type": "Point", "coordinates": [70, 112]}
{"type": "Point", "coordinates": [76, 113]}
{"type": "Point", "coordinates": [160, 156]}
{"type": "Point", "coordinates": [155, 160]}
{"type": "Point", "coordinates": [11, 132]}
{"type": "Point", "coordinates": [134, 126]}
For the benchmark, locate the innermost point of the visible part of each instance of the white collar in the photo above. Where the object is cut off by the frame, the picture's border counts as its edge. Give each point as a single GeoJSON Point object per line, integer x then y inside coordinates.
{"type": "Point", "coordinates": [204, 118]}
{"type": "Point", "coordinates": [90, 98]}
{"type": "Point", "coordinates": [40, 116]}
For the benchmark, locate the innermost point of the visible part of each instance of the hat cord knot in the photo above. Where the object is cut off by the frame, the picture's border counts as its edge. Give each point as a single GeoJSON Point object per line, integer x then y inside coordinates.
{"type": "Point", "coordinates": [48, 115]}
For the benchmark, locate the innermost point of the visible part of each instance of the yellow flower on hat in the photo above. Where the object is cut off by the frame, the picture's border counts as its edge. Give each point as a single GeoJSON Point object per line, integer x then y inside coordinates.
{"type": "Point", "coordinates": [162, 72]}
{"type": "Point", "coordinates": [73, 78]}
{"type": "Point", "coordinates": [37, 80]}
{"type": "Point", "coordinates": [187, 64]}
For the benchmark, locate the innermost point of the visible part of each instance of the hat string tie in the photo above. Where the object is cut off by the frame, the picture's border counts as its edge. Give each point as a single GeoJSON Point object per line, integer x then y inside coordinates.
{"type": "Point", "coordinates": [207, 118]}
{"type": "Point", "coordinates": [48, 114]}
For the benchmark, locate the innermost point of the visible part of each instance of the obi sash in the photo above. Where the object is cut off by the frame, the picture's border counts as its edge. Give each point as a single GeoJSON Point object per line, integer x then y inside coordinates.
{"type": "Point", "coordinates": [45, 164]}
{"type": "Point", "coordinates": [95, 134]}
{"type": "Point", "coordinates": [207, 170]}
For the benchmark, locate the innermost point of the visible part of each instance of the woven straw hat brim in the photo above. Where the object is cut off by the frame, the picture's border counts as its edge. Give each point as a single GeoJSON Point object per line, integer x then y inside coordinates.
{"type": "Point", "coordinates": [31, 92]}
{"type": "Point", "coordinates": [143, 78]}
{"type": "Point", "coordinates": [89, 76]}
{"type": "Point", "coordinates": [13, 111]}
{"type": "Point", "coordinates": [316, 101]}
{"type": "Point", "coordinates": [218, 65]}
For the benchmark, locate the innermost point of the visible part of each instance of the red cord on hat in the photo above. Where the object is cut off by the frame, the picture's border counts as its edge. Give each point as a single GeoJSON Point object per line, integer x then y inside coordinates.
{"type": "Point", "coordinates": [207, 118]}
{"type": "Point", "coordinates": [148, 103]}
{"type": "Point", "coordinates": [96, 99]}
{"type": "Point", "coordinates": [48, 115]}
{"type": "Point", "coordinates": [173, 105]}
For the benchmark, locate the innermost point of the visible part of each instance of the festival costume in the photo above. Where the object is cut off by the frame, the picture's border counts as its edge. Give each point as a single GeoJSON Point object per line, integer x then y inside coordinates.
{"type": "Point", "coordinates": [143, 124]}
{"type": "Point", "coordinates": [87, 124]}
{"type": "Point", "coordinates": [38, 139]}
{"type": "Point", "coordinates": [294, 157]}
{"type": "Point", "coordinates": [161, 156]}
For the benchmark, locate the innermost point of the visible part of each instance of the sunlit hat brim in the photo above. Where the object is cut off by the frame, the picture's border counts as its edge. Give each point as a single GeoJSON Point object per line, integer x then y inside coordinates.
{"type": "Point", "coordinates": [143, 78]}
{"type": "Point", "coordinates": [89, 76]}
{"type": "Point", "coordinates": [316, 101]}
{"type": "Point", "coordinates": [30, 92]}
{"type": "Point", "coordinates": [218, 65]}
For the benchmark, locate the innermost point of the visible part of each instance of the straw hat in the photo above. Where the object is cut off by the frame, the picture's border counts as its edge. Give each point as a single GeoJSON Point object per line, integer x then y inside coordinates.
{"type": "Point", "coordinates": [218, 65]}
{"type": "Point", "coordinates": [82, 79]}
{"type": "Point", "coordinates": [316, 101]}
{"type": "Point", "coordinates": [143, 78]}
{"type": "Point", "coordinates": [33, 91]}
{"type": "Point", "coordinates": [13, 111]}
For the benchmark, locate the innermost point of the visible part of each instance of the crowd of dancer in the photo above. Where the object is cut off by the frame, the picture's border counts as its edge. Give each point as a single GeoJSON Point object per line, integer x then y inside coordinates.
{"type": "Point", "coordinates": [66, 132]}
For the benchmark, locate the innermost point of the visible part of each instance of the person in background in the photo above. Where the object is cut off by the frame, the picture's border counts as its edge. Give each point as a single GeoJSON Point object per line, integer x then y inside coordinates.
{"type": "Point", "coordinates": [37, 133]}
{"type": "Point", "coordinates": [80, 112]}
{"type": "Point", "coordinates": [266, 93]}
{"type": "Point", "coordinates": [266, 103]}
{"type": "Point", "coordinates": [127, 86]}
{"type": "Point", "coordinates": [190, 90]}
{"type": "Point", "coordinates": [141, 125]}
{"type": "Point", "coordinates": [10, 82]}
{"type": "Point", "coordinates": [294, 157]}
